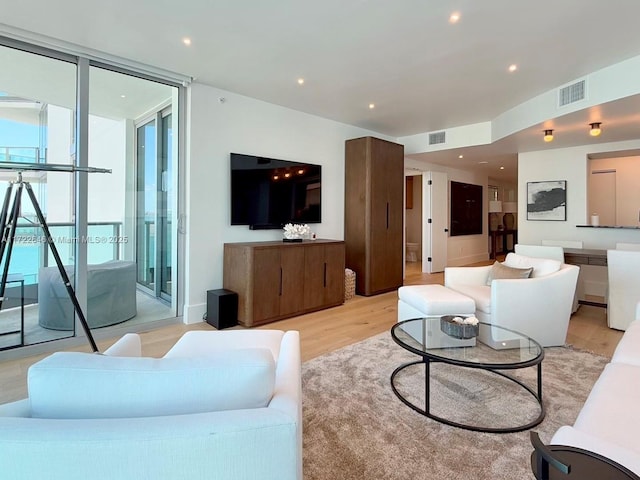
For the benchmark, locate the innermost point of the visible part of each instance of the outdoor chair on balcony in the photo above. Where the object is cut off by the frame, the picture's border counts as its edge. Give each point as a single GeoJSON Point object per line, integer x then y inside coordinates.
{"type": "Point", "coordinates": [111, 295]}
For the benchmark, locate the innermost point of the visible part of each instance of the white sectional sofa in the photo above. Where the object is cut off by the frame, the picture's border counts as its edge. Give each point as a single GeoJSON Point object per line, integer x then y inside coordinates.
{"type": "Point", "coordinates": [224, 405]}
{"type": "Point", "coordinates": [539, 306]}
{"type": "Point", "coordinates": [609, 421]}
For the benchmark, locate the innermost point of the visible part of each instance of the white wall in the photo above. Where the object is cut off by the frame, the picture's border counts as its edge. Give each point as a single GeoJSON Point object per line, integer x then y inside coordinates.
{"type": "Point", "coordinates": [59, 198]}
{"type": "Point", "coordinates": [107, 149]}
{"type": "Point", "coordinates": [244, 125]}
{"type": "Point", "coordinates": [570, 164]}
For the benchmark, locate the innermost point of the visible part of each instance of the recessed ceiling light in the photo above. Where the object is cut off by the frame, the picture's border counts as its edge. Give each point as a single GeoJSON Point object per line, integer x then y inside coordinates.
{"type": "Point", "coordinates": [186, 41]}
{"type": "Point", "coordinates": [483, 162]}
{"type": "Point", "coordinates": [301, 81]}
{"type": "Point", "coordinates": [460, 156]}
{"type": "Point", "coordinates": [513, 67]}
{"type": "Point", "coordinates": [123, 96]}
{"type": "Point", "coordinates": [455, 16]}
{"type": "Point", "coordinates": [501, 168]}
{"type": "Point", "coordinates": [372, 106]}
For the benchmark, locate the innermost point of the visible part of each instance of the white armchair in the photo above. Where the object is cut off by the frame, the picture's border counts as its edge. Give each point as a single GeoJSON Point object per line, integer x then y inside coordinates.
{"type": "Point", "coordinates": [539, 307]}
{"type": "Point", "coordinates": [628, 246]}
{"type": "Point", "coordinates": [555, 252]}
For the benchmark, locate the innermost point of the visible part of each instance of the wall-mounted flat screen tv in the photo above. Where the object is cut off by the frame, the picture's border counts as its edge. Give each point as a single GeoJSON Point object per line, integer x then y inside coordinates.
{"type": "Point", "coordinates": [269, 193]}
{"type": "Point", "coordinates": [466, 209]}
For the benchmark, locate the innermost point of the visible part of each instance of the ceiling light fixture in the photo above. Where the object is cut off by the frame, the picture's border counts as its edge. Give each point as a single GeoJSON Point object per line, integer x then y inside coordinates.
{"type": "Point", "coordinates": [460, 156]}
{"type": "Point", "coordinates": [301, 81]}
{"type": "Point", "coordinates": [595, 129]}
{"type": "Point", "coordinates": [548, 135]}
{"type": "Point", "coordinates": [455, 16]}
{"type": "Point", "coordinates": [186, 41]}
{"type": "Point", "coordinates": [501, 168]}
{"type": "Point", "coordinates": [513, 67]}
{"type": "Point", "coordinates": [372, 106]}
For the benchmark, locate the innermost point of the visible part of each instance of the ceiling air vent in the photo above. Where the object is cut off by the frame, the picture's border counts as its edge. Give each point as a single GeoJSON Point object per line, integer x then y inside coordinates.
{"type": "Point", "coordinates": [571, 93]}
{"type": "Point", "coordinates": [436, 138]}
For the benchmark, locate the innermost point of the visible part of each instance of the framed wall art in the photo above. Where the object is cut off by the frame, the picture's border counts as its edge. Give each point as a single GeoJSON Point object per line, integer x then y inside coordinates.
{"type": "Point", "coordinates": [547, 200]}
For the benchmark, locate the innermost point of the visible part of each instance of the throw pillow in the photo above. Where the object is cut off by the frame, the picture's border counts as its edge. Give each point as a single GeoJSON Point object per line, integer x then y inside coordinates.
{"type": "Point", "coordinates": [502, 271]}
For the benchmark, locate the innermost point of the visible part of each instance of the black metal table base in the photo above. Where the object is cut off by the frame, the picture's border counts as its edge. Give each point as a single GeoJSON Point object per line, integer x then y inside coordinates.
{"type": "Point", "coordinates": [427, 411]}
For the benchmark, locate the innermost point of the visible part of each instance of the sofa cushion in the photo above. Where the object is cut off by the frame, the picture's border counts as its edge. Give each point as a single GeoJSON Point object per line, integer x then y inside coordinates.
{"type": "Point", "coordinates": [541, 266]}
{"type": "Point", "coordinates": [610, 410]}
{"type": "Point", "coordinates": [480, 294]}
{"type": "Point", "coordinates": [499, 271]}
{"type": "Point", "coordinates": [83, 385]}
{"type": "Point", "coordinates": [628, 349]}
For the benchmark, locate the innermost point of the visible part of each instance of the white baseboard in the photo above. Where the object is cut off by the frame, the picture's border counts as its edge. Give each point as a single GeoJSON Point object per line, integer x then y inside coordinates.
{"type": "Point", "coordinates": [194, 313]}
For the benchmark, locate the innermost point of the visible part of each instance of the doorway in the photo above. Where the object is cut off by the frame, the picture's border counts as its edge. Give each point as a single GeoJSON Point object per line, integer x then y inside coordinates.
{"type": "Point", "coordinates": [413, 220]}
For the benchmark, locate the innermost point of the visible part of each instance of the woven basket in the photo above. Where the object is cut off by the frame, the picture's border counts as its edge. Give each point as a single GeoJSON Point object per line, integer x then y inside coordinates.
{"type": "Point", "coordinates": [349, 284]}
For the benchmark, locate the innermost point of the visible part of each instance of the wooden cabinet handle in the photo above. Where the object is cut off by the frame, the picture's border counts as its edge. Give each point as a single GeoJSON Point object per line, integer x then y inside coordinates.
{"type": "Point", "coordinates": [387, 215]}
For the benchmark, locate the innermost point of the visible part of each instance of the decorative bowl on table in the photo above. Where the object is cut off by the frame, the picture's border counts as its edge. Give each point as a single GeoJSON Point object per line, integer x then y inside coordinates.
{"type": "Point", "coordinates": [459, 327]}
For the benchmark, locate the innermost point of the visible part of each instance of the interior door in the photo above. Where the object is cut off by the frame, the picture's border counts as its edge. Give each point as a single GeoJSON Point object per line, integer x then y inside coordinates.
{"type": "Point", "coordinates": [435, 231]}
{"type": "Point", "coordinates": [602, 196]}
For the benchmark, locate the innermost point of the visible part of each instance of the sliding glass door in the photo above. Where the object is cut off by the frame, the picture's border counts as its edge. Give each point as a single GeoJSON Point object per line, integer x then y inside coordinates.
{"type": "Point", "coordinates": [115, 232]}
{"type": "Point", "coordinates": [155, 198]}
{"type": "Point", "coordinates": [37, 109]}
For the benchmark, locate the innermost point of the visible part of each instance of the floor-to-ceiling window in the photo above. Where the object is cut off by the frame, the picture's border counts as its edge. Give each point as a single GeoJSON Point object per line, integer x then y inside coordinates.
{"type": "Point", "coordinates": [37, 107]}
{"type": "Point", "coordinates": [39, 119]}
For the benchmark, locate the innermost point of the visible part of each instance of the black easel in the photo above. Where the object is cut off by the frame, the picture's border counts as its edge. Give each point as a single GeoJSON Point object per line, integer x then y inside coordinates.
{"type": "Point", "coordinates": [9, 222]}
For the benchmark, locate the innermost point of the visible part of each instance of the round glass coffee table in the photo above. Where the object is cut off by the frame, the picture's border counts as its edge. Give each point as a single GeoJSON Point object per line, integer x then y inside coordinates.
{"type": "Point", "coordinates": [493, 350]}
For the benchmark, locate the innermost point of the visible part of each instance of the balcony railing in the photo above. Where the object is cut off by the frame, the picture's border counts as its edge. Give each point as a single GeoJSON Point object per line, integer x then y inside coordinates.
{"type": "Point", "coordinates": [21, 155]}
{"type": "Point", "coordinates": [31, 251]}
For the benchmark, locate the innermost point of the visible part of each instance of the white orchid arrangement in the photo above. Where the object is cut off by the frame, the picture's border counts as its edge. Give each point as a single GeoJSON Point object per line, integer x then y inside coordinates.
{"type": "Point", "coordinates": [293, 230]}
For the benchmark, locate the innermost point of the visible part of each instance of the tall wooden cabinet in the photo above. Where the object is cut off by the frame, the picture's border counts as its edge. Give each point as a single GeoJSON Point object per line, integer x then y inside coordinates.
{"type": "Point", "coordinates": [374, 186]}
{"type": "Point", "coordinates": [277, 280]}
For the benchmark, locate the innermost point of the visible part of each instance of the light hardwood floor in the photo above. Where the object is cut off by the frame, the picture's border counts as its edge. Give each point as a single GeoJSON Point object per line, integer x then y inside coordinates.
{"type": "Point", "coordinates": [328, 330]}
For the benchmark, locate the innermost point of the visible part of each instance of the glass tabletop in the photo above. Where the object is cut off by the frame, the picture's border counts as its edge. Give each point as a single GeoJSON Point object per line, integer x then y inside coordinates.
{"type": "Point", "coordinates": [494, 347]}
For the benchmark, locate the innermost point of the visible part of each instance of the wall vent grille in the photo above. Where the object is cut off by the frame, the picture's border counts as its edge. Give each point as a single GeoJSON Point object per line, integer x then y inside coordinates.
{"type": "Point", "coordinates": [436, 138]}
{"type": "Point", "coordinates": [572, 93]}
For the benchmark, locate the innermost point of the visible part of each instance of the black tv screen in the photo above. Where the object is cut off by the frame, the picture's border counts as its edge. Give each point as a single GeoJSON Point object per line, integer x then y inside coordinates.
{"type": "Point", "coordinates": [269, 193]}
{"type": "Point", "coordinates": [466, 209]}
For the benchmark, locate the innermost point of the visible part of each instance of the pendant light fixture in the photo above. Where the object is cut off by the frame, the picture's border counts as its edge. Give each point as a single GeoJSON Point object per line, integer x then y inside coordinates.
{"type": "Point", "coordinates": [548, 135]}
{"type": "Point", "coordinates": [595, 129]}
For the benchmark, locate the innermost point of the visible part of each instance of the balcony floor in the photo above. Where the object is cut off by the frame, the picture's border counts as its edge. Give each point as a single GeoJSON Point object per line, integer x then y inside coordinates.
{"type": "Point", "coordinates": [149, 309]}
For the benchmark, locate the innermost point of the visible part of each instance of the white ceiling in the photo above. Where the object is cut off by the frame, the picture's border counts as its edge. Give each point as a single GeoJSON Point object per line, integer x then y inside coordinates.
{"type": "Point", "coordinates": [422, 73]}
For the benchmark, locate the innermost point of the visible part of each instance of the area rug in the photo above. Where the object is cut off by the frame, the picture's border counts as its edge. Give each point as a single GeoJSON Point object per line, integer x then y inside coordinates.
{"type": "Point", "coordinates": [356, 428]}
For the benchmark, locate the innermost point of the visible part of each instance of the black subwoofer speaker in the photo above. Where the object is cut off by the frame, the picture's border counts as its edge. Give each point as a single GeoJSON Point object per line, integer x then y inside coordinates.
{"type": "Point", "coordinates": [222, 308]}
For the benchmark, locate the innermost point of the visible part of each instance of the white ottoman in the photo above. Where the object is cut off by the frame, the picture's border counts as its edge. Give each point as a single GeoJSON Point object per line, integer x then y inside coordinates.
{"type": "Point", "coordinates": [418, 301]}
{"type": "Point", "coordinates": [415, 301]}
